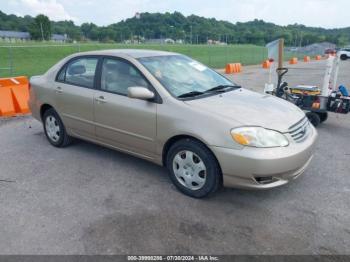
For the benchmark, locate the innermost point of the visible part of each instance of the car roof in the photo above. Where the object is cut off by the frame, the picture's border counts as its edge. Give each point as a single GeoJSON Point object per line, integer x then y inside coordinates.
{"type": "Point", "coordinates": [134, 53]}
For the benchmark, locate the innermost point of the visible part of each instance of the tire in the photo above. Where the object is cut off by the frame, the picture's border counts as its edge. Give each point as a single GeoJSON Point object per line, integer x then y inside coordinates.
{"type": "Point", "coordinates": [323, 116]}
{"type": "Point", "coordinates": [343, 57]}
{"type": "Point", "coordinates": [193, 168]}
{"type": "Point", "coordinates": [54, 129]}
{"type": "Point", "coordinates": [314, 118]}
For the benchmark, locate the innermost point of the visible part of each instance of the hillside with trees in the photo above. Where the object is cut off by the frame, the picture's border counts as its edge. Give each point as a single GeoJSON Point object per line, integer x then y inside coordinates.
{"type": "Point", "coordinates": [191, 29]}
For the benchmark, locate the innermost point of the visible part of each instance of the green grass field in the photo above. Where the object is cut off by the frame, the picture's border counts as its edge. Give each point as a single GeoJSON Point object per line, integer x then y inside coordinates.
{"type": "Point", "coordinates": [35, 58]}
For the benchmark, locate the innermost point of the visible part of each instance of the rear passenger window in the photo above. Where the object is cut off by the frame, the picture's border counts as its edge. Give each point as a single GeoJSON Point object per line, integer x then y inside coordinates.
{"type": "Point", "coordinates": [81, 72]}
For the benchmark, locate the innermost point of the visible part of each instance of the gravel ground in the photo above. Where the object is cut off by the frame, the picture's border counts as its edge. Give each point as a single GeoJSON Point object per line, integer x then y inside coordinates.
{"type": "Point", "coordinates": [86, 199]}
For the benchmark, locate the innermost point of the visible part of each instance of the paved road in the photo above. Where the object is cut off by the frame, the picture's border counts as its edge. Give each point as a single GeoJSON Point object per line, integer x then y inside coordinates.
{"type": "Point", "coordinates": [86, 199]}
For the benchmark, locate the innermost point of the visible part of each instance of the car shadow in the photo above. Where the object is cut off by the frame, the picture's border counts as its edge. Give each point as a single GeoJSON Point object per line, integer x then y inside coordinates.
{"type": "Point", "coordinates": [154, 171]}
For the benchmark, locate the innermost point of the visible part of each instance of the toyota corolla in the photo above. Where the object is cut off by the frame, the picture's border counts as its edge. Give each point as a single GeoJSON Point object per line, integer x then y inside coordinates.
{"type": "Point", "coordinates": [174, 111]}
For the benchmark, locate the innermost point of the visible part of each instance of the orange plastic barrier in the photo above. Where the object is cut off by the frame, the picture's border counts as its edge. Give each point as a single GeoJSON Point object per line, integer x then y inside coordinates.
{"type": "Point", "coordinates": [318, 57]}
{"type": "Point", "coordinates": [293, 61]}
{"type": "Point", "coordinates": [14, 95]}
{"type": "Point", "coordinates": [266, 64]}
{"type": "Point", "coordinates": [239, 67]}
{"type": "Point", "coordinates": [233, 68]}
{"type": "Point", "coordinates": [307, 59]}
{"type": "Point", "coordinates": [229, 69]}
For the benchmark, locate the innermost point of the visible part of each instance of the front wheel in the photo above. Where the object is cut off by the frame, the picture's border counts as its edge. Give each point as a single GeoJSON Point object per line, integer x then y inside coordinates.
{"type": "Point", "coordinates": [314, 118]}
{"type": "Point", "coordinates": [55, 130]}
{"type": "Point", "coordinates": [193, 168]}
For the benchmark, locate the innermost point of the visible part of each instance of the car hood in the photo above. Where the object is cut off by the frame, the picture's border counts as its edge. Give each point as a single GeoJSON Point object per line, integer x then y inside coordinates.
{"type": "Point", "coordinates": [251, 109]}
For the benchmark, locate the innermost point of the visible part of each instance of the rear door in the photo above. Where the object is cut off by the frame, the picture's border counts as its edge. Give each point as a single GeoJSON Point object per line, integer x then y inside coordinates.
{"type": "Point", "coordinates": [74, 94]}
{"type": "Point", "coordinates": [129, 124]}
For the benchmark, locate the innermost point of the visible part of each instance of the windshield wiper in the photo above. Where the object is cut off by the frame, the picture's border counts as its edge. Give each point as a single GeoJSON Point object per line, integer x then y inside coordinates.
{"type": "Point", "coordinates": [222, 88]}
{"type": "Point", "coordinates": [191, 94]}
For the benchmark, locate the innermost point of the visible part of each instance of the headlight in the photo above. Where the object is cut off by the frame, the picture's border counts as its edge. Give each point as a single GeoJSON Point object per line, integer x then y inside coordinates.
{"type": "Point", "coordinates": [258, 137]}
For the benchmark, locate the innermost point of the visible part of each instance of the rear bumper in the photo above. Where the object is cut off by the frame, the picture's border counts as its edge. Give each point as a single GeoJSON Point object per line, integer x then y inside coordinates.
{"type": "Point", "coordinates": [34, 106]}
{"type": "Point", "coordinates": [264, 168]}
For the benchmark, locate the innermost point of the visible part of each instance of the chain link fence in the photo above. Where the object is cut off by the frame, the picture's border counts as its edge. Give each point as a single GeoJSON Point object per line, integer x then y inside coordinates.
{"type": "Point", "coordinates": [34, 58]}
{"type": "Point", "coordinates": [300, 52]}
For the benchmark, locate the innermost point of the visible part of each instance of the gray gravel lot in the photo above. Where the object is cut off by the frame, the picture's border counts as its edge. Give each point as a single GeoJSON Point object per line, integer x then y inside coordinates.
{"type": "Point", "coordinates": [86, 199]}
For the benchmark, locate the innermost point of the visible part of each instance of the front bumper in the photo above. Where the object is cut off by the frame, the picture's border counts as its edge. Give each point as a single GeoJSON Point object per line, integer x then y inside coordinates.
{"type": "Point", "coordinates": [264, 168]}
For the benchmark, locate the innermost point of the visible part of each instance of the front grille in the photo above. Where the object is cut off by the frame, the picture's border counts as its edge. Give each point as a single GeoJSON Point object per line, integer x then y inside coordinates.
{"type": "Point", "coordinates": [300, 131]}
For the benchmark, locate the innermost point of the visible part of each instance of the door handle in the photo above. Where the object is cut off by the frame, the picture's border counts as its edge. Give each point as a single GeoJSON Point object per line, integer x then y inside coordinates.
{"type": "Point", "coordinates": [101, 99]}
{"type": "Point", "coordinates": [59, 90]}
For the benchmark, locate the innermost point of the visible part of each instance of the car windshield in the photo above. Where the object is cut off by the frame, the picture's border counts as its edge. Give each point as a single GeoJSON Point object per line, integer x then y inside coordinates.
{"type": "Point", "coordinates": [184, 77]}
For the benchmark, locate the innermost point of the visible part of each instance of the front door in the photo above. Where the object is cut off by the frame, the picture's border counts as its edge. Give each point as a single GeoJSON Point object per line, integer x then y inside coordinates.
{"type": "Point", "coordinates": [126, 123]}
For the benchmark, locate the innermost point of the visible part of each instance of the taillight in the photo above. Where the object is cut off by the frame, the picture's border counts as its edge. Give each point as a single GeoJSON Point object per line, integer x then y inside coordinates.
{"type": "Point", "coordinates": [316, 104]}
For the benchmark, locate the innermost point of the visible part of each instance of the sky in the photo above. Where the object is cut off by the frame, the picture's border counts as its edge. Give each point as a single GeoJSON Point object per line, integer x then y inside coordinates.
{"type": "Point", "coordinates": [318, 13]}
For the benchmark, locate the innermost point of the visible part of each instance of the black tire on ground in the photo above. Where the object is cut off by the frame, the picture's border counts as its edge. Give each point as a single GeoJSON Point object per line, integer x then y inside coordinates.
{"type": "Point", "coordinates": [323, 116]}
{"type": "Point", "coordinates": [63, 138]}
{"type": "Point", "coordinates": [344, 57]}
{"type": "Point", "coordinates": [314, 118]}
{"type": "Point", "coordinates": [213, 172]}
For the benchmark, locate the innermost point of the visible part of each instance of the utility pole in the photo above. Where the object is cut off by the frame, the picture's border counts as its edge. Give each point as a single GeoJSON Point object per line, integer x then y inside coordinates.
{"type": "Point", "coordinates": [191, 35]}
{"type": "Point", "coordinates": [138, 16]}
{"type": "Point", "coordinates": [171, 32]}
{"type": "Point", "coordinates": [42, 31]}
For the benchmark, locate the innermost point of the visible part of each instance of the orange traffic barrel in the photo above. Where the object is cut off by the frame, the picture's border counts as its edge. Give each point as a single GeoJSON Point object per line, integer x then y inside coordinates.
{"type": "Point", "coordinates": [293, 61]}
{"type": "Point", "coordinates": [238, 68]}
{"type": "Point", "coordinates": [233, 68]}
{"type": "Point", "coordinates": [266, 64]}
{"type": "Point", "coordinates": [318, 57]}
{"type": "Point", "coordinates": [14, 96]}
{"type": "Point", "coordinates": [307, 59]}
{"type": "Point", "coordinates": [229, 69]}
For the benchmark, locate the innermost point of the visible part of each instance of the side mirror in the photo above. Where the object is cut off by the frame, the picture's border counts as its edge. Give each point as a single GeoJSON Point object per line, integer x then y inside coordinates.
{"type": "Point", "coordinates": [139, 92]}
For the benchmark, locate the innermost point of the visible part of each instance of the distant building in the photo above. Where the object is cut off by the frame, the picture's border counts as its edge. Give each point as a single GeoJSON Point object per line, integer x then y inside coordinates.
{"type": "Point", "coordinates": [160, 41]}
{"type": "Point", "coordinates": [14, 36]}
{"type": "Point", "coordinates": [59, 38]}
{"type": "Point", "coordinates": [215, 42]}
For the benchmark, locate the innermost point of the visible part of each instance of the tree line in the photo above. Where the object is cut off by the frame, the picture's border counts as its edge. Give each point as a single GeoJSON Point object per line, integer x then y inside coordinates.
{"type": "Point", "coordinates": [190, 29]}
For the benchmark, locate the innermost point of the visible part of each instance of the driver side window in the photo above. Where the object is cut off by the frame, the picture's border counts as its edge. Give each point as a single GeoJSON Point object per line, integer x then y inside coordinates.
{"type": "Point", "coordinates": [118, 75]}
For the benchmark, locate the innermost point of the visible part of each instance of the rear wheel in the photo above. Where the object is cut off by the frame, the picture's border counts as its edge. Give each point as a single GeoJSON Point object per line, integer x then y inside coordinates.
{"type": "Point", "coordinates": [323, 116]}
{"type": "Point", "coordinates": [343, 57]}
{"type": "Point", "coordinates": [314, 118]}
{"type": "Point", "coordinates": [193, 168]}
{"type": "Point", "coordinates": [55, 130]}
